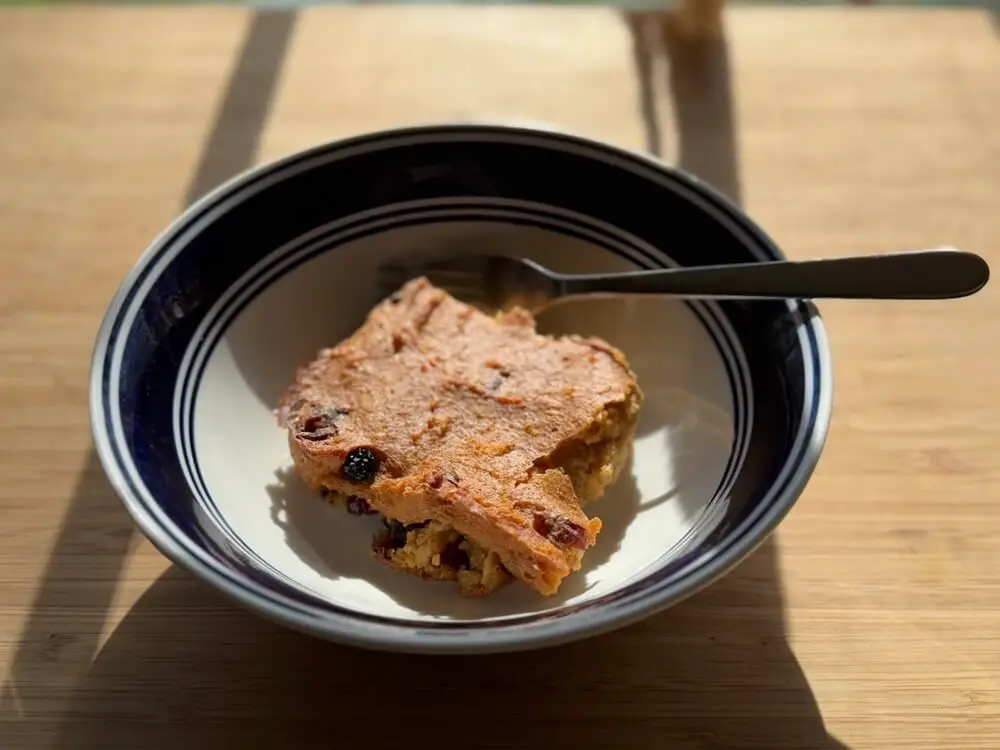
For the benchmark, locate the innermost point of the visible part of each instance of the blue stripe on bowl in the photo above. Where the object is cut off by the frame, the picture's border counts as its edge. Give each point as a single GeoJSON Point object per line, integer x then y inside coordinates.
{"type": "Point", "coordinates": [287, 258]}
{"type": "Point", "coordinates": [282, 262]}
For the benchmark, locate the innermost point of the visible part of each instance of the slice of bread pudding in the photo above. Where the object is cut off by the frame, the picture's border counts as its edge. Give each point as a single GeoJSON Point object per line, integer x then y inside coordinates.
{"type": "Point", "coordinates": [476, 438]}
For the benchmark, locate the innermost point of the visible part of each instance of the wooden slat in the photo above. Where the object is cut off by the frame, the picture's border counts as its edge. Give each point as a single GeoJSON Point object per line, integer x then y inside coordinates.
{"type": "Point", "coordinates": [103, 114]}
{"type": "Point", "coordinates": [874, 615]}
{"type": "Point", "coordinates": [351, 71]}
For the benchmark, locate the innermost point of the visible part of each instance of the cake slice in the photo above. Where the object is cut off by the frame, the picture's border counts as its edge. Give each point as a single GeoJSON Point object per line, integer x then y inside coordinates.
{"type": "Point", "coordinates": [477, 439]}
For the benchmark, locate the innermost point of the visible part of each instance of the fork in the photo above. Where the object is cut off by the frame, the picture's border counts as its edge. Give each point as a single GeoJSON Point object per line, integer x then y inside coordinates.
{"type": "Point", "coordinates": [497, 282]}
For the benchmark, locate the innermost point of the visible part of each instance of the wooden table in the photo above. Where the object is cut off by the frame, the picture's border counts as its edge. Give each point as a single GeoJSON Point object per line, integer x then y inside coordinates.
{"type": "Point", "coordinates": [871, 621]}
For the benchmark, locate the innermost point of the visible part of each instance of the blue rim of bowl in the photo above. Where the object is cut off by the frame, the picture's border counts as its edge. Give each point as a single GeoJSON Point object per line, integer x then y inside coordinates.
{"type": "Point", "coordinates": [810, 434]}
{"type": "Point", "coordinates": [327, 238]}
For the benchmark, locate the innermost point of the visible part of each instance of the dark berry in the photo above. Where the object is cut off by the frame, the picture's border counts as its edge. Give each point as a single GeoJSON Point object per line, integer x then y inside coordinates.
{"type": "Point", "coordinates": [454, 556]}
{"type": "Point", "coordinates": [358, 506]}
{"type": "Point", "coordinates": [397, 534]}
{"type": "Point", "coordinates": [495, 383]}
{"type": "Point", "coordinates": [560, 530]}
{"type": "Point", "coordinates": [361, 465]}
{"type": "Point", "coordinates": [397, 530]}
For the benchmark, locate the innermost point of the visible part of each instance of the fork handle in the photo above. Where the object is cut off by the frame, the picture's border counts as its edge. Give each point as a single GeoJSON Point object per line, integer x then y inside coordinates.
{"type": "Point", "coordinates": [926, 274]}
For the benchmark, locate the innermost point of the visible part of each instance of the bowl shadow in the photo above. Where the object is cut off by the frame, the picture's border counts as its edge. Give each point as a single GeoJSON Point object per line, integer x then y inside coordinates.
{"type": "Point", "coordinates": [186, 668]}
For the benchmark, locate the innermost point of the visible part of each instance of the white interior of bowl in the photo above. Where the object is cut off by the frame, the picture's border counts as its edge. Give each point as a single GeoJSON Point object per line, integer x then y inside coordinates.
{"type": "Point", "coordinates": [658, 507]}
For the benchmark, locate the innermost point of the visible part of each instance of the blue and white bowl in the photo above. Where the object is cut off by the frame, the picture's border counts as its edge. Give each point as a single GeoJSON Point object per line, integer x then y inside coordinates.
{"type": "Point", "coordinates": [245, 286]}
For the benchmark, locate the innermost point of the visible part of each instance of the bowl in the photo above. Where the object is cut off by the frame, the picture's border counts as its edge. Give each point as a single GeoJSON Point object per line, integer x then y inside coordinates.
{"type": "Point", "coordinates": [247, 284]}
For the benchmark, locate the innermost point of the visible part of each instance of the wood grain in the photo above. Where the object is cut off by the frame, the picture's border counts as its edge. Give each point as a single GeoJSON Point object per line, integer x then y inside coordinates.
{"type": "Point", "coordinates": [872, 620]}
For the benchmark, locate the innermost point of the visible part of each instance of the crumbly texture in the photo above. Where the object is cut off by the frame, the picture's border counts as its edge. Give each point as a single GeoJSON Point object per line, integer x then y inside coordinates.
{"type": "Point", "coordinates": [437, 551]}
{"type": "Point", "coordinates": [474, 433]}
{"type": "Point", "coordinates": [431, 550]}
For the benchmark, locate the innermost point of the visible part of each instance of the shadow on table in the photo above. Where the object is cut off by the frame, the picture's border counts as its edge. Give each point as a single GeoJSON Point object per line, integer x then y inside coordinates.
{"type": "Point", "coordinates": [231, 146]}
{"type": "Point", "coordinates": [186, 669]}
{"type": "Point", "coordinates": [697, 83]}
{"type": "Point", "coordinates": [63, 629]}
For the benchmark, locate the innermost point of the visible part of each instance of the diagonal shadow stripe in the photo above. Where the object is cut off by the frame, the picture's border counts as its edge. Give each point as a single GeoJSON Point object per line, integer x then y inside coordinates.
{"type": "Point", "coordinates": [643, 53]}
{"type": "Point", "coordinates": [62, 630]}
{"type": "Point", "coordinates": [232, 143]}
{"type": "Point", "coordinates": [700, 86]}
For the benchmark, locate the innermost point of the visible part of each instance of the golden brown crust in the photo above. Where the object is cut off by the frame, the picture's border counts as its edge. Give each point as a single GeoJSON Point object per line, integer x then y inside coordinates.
{"type": "Point", "coordinates": [469, 416]}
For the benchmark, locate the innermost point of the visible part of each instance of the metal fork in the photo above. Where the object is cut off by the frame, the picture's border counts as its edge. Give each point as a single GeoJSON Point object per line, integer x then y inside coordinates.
{"type": "Point", "coordinates": [496, 282]}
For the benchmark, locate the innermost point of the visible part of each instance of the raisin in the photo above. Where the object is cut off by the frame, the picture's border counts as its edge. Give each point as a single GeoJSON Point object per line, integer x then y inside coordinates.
{"type": "Point", "coordinates": [496, 383]}
{"type": "Point", "coordinates": [560, 530]}
{"type": "Point", "coordinates": [318, 426]}
{"type": "Point", "coordinates": [397, 534]}
{"type": "Point", "coordinates": [397, 531]}
{"type": "Point", "coordinates": [540, 523]}
{"type": "Point", "coordinates": [361, 465]}
{"type": "Point", "coordinates": [358, 506]}
{"type": "Point", "coordinates": [454, 556]}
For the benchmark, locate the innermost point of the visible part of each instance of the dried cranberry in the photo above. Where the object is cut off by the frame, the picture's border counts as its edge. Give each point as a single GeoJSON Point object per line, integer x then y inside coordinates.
{"type": "Point", "coordinates": [454, 556]}
{"type": "Point", "coordinates": [321, 425]}
{"type": "Point", "coordinates": [358, 506]}
{"type": "Point", "coordinates": [361, 465]}
{"type": "Point", "coordinates": [560, 530]}
{"type": "Point", "coordinates": [317, 427]}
